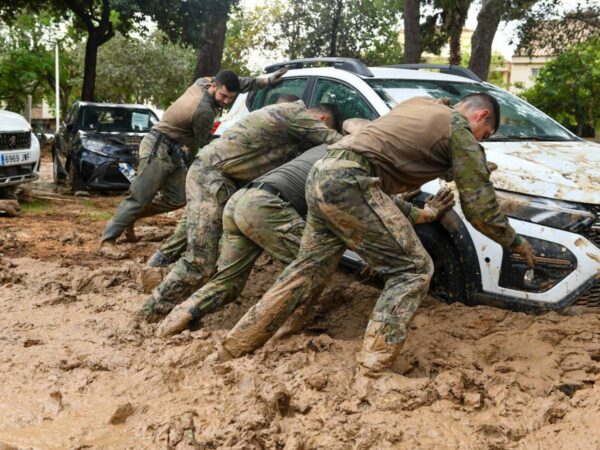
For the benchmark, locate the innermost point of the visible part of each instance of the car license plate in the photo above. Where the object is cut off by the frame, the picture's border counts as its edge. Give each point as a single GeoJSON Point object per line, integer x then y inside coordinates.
{"type": "Point", "coordinates": [128, 171]}
{"type": "Point", "coordinates": [10, 159]}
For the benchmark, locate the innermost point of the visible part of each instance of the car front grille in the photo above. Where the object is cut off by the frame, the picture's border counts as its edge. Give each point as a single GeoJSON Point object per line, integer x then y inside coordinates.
{"type": "Point", "coordinates": [593, 233]}
{"type": "Point", "coordinates": [13, 171]}
{"type": "Point", "coordinates": [591, 298]}
{"type": "Point", "coordinates": [13, 141]}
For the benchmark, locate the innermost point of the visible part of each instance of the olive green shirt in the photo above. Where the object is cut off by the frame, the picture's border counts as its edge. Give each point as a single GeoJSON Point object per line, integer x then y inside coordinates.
{"type": "Point", "coordinates": [190, 118]}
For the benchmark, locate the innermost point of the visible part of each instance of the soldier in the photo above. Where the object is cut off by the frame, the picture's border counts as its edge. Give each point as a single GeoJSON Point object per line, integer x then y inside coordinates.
{"type": "Point", "coordinates": [173, 247]}
{"type": "Point", "coordinates": [348, 206]}
{"type": "Point", "coordinates": [163, 162]}
{"type": "Point", "coordinates": [259, 142]}
{"type": "Point", "coordinates": [268, 215]}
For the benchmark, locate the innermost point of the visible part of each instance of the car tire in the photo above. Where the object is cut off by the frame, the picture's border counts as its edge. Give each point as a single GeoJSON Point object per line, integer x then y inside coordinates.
{"type": "Point", "coordinates": [449, 282]}
{"type": "Point", "coordinates": [74, 181]}
{"type": "Point", "coordinates": [58, 172]}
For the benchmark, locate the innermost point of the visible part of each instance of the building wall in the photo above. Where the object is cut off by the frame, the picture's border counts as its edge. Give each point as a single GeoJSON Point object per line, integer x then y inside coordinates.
{"type": "Point", "coordinates": [524, 70]}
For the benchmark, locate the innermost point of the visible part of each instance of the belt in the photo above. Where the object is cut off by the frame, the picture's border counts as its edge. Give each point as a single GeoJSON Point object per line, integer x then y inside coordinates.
{"type": "Point", "coordinates": [267, 187]}
{"type": "Point", "coordinates": [166, 139]}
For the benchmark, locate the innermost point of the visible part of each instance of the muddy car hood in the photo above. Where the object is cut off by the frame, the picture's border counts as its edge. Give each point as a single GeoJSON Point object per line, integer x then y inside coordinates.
{"type": "Point", "coordinates": [561, 170]}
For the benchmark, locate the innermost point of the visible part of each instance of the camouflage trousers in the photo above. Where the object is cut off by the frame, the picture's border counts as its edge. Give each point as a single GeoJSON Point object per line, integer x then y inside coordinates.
{"type": "Point", "coordinates": [346, 208]}
{"type": "Point", "coordinates": [207, 191]}
{"type": "Point", "coordinates": [253, 220]}
{"type": "Point", "coordinates": [159, 187]}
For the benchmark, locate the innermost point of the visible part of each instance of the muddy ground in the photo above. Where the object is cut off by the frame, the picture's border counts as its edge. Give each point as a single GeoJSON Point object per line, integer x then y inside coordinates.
{"type": "Point", "coordinates": [76, 374]}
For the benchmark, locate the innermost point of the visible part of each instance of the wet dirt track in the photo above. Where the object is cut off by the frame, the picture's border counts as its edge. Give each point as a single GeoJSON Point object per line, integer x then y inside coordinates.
{"type": "Point", "coordinates": [75, 372]}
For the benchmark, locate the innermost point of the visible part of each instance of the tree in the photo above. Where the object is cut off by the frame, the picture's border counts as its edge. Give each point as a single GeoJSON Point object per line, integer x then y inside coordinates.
{"type": "Point", "coordinates": [200, 24]}
{"type": "Point", "coordinates": [351, 28]}
{"type": "Point", "coordinates": [96, 17]}
{"type": "Point", "coordinates": [562, 92]}
{"type": "Point", "coordinates": [136, 70]}
{"type": "Point", "coordinates": [551, 28]}
{"type": "Point", "coordinates": [412, 34]}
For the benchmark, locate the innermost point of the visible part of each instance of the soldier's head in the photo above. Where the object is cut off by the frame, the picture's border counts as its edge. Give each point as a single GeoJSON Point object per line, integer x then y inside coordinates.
{"type": "Point", "coordinates": [328, 113]}
{"type": "Point", "coordinates": [483, 113]}
{"type": "Point", "coordinates": [287, 98]}
{"type": "Point", "coordinates": [225, 87]}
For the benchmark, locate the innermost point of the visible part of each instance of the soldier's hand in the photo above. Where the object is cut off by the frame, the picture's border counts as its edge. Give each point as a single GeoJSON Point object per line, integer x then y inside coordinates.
{"type": "Point", "coordinates": [409, 195]}
{"type": "Point", "coordinates": [491, 166]}
{"type": "Point", "coordinates": [276, 76]}
{"type": "Point", "coordinates": [525, 250]}
{"type": "Point", "coordinates": [436, 206]}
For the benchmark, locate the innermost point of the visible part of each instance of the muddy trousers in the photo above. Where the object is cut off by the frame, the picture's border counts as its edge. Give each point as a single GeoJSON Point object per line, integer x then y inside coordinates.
{"type": "Point", "coordinates": [253, 220]}
{"type": "Point", "coordinates": [207, 189]}
{"type": "Point", "coordinates": [159, 187]}
{"type": "Point", "coordinates": [346, 208]}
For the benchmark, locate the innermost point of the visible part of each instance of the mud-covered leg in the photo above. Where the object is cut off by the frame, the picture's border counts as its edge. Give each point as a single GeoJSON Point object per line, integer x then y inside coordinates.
{"type": "Point", "coordinates": [207, 191]}
{"type": "Point", "coordinates": [304, 279]}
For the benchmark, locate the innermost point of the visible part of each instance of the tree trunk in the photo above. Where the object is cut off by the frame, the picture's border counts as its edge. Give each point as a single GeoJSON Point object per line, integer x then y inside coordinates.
{"type": "Point", "coordinates": [412, 35]}
{"type": "Point", "coordinates": [210, 48]}
{"type": "Point", "coordinates": [454, 57]}
{"type": "Point", "coordinates": [89, 68]}
{"type": "Point", "coordinates": [488, 20]}
{"type": "Point", "coordinates": [335, 27]}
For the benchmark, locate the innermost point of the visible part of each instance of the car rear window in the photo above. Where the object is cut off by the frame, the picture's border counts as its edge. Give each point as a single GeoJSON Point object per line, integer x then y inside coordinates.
{"type": "Point", "coordinates": [269, 95]}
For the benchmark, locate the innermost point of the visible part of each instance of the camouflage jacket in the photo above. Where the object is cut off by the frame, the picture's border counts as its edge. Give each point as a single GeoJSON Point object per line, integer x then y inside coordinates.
{"type": "Point", "coordinates": [472, 178]}
{"type": "Point", "coordinates": [190, 118]}
{"type": "Point", "coordinates": [265, 139]}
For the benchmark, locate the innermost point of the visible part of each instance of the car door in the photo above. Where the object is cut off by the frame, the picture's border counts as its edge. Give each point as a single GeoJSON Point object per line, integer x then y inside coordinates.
{"type": "Point", "coordinates": [351, 102]}
{"type": "Point", "coordinates": [65, 135]}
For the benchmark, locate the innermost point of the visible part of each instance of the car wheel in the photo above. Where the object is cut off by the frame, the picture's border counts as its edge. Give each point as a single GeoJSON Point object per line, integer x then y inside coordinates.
{"type": "Point", "coordinates": [58, 172]}
{"type": "Point", "coordinates": [74, 181]}
{"type": "Point", "coordinates": [448, 283]}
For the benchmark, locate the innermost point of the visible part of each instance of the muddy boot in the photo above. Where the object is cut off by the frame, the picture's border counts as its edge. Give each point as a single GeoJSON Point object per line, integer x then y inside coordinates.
{"type": "Point", "coordinates": [10, 207]}
{"type": "Point", "coordinates": [295, 323]}
{"type": "Point", "coordinates": [155, 310]}
{"type": "Point", "coordinates": [158, 260]}
{"type": "Point", "coordinates": [376, 355]}
{"type": "Point", "coordinates": [108, 249]}
{"type": "Point", "coordinates": [177, 320]}
{"type": "Point", "coordinates": [129, 234]}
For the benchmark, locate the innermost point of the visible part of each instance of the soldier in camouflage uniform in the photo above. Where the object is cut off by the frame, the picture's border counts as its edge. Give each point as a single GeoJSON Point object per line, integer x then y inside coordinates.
{"type": "Point", "coordinates": [268, 215]}
{"type": "Point", "coordinates": [163, 162]}
{"type": "Point", "coordinates": [259, 142]}
{"type": "Point", "coordinates": [349, 207]}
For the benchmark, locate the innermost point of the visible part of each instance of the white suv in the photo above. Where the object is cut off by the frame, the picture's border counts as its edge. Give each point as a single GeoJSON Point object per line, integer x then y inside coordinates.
{"type": "Point", "coordinates": [19, 150]}
{"type": "Point", "coordinates": [547, 181]}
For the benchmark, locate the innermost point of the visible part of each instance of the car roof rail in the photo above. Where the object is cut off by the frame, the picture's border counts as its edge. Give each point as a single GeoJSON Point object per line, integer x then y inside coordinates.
{"type": "Point", "coordinates": [449, 69]}
{"type": "Point", "coordinates": [349, 64]}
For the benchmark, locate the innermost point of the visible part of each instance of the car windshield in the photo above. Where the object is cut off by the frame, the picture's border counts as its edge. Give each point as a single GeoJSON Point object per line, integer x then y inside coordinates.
{"type": "Point", "coordinates": [519, 121]}
{"type": "Point", "coordinates": [119, 120]}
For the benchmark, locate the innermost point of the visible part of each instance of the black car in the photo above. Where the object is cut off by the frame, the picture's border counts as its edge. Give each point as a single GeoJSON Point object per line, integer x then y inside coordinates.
{"type": "Point", "coordinates": [96, 147]}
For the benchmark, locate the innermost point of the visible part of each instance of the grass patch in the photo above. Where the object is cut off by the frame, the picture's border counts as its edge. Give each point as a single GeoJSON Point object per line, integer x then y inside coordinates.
{"type": "Point", "coordinates": [99, 216]}
{"type": "Point", "coordinates": [35, 206]}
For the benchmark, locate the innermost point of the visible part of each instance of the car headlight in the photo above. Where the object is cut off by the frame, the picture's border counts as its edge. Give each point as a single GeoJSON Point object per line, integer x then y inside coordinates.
{"type": "Point", "coordinates": [544, 211]}
{"type": "Point", "coordinates": [94, 146]}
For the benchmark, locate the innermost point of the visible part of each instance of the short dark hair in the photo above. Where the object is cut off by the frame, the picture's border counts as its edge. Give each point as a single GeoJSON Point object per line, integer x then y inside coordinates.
{"type": "Point", "coordinates": [228, 79]}
{"type": "Point", "coordinates": [333, 111]}
{"type": "Point", "coordinates": [287, 98]}
{"type": "Point", "coordinates": [483, 100]}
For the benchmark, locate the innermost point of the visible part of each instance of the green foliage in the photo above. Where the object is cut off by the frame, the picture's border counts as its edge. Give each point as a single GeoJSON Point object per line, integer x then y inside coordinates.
{"type": "Point", "coordinates": [136, 70]}
{"type": "Point", "coordinates": [366, 29]}
{"type": "Point", "coordinates": [568, 87]}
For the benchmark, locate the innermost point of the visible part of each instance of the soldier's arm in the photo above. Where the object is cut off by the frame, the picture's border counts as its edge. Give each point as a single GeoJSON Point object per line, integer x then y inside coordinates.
{"type": "Point", "coordinates": [477, 194]}
{"type": "Point", "coordinates": [248, 84]}
{"type": "Point", "coordinates": [202, 122]}
{"type": "Point", "coordinates": [307, 127]}
{"type": "Point", "coordinates": [410, 211]}
{"type": "Point", "coordinates": [435, 206]}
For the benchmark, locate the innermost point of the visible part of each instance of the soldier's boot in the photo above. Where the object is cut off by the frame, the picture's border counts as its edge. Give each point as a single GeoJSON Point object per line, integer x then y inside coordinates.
{"type": "Point", "coordinates": [177, 320]}
{"type": "Point", "coordinates": [376, 354]}
{"type": "Point", "coordinates": [155, 310]}
{"type": "Point", "coordinates": [295, 323]}
{"type": "Point", "coordinates": [130, 235]}
{"type": "Point", "coordinates": [108, 249]}
{"type": "Point", "coordinates": [10, 207]}
{"type": "Point", "coordinates": [158, 259]}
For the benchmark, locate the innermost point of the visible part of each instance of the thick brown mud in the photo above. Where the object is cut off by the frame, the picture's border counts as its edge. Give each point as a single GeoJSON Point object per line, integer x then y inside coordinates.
{"type": "Point", "coordinates": [77, 372]}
